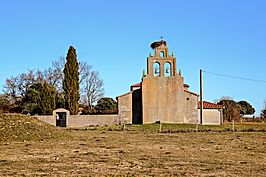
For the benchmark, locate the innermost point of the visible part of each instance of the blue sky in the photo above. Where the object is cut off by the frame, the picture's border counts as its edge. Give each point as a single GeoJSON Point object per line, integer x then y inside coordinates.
{"type": "Point", "coordinates": [222, 36]}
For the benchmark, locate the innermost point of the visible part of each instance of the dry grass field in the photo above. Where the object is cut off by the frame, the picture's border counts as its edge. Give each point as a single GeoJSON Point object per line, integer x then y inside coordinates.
{"type": "Point", "coordinates": [136, 151]}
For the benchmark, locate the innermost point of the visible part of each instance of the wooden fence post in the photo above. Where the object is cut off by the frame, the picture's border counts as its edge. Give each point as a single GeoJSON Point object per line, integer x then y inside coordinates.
{"type": "Point", "coordinates": [160, 128]}
{"type": "Point", "coordinates": [233, 126]}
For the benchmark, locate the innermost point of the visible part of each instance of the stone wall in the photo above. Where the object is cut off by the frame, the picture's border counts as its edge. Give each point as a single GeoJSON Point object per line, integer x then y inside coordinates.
{"type": "Point", "coordinates": [83, 120]}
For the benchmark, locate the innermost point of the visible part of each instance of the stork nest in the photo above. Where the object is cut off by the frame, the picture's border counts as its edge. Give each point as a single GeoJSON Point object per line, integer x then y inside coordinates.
{"type": "Point", "coordinates": [157, 44]}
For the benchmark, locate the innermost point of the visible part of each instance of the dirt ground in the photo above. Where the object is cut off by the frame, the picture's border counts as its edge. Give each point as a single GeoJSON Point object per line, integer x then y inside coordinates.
{"type": "Point", "coordinates": [137, 153]}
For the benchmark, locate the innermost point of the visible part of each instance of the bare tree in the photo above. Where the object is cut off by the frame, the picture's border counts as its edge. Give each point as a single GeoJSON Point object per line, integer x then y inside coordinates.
{"type": "Point", "coordinates": [11, 90]}
{"type": "Point", "coordinates": [84, 71]}
{"type": "Point", "coordinates": [16, 87]}
{"type": "Point", "coordinates": [54, 74]}
{"type": "Point", "coordinates": [91, 85]}
{"type": "Point", "coordinates": [93, 89]}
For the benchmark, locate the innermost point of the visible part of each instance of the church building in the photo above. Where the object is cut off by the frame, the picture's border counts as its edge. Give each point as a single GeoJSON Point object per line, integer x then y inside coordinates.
{"type": "Point", "coordinates": [162, 94]}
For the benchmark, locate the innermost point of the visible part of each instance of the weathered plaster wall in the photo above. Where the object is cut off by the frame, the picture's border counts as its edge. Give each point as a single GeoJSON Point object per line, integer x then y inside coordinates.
{"type": "Point", "coordinates": [125, 108]}
{"type": "Point", "coordinates": [211, 117]}
{"type": "Point", "coordinates": [83, 120]}
{"type": "Point", "coordinates": [190, 105]}
{"type": "Point", "coordinates": [86, 120]}
{"type": "Point", "coordinates": [164, 99]}
{"type": "Point", "coordinates": [48, 119]}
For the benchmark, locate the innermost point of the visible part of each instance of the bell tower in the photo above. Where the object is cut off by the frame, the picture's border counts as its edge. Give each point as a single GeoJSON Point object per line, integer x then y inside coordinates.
{"type": "Point", "coordinates": [161, 64]}
{"type": "Point", "coordinates": [162, 88]}
{"type": "Point", "coordinates": [162, 95]}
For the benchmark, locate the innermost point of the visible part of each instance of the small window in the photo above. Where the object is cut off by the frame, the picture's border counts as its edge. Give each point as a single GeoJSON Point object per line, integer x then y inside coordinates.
{"type": "Point", "coordinates": [161, 54]}
{"type": "Point", "coordinates": [187, 99]}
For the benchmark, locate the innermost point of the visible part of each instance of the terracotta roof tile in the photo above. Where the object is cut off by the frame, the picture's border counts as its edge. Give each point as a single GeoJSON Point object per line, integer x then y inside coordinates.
{"type": "Point", "coordinates": [136, 85]}
{"type": "Point", "coordinates": [209, 105]}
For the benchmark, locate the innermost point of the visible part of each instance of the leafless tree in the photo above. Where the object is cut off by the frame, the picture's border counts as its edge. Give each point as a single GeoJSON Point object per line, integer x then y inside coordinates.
{"type": "Point", "coordinates": [93, 89]}
{"type": "Point", "coordinates": [10, 88]}
{"type": "Point", "coordinates": [54, 74]}
{"type": "Point", "coordinates": [16, 87]}
{"type": "Point", "coordinates": [91, 85]}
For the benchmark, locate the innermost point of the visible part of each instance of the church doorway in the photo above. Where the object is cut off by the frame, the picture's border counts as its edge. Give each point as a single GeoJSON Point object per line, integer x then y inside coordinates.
{"type": "Point", "coordinates": [137, 107]}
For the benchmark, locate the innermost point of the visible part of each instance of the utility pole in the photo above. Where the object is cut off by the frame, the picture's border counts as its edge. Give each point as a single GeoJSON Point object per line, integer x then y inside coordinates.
{"type": "Point", "coordinates": [201, 101]}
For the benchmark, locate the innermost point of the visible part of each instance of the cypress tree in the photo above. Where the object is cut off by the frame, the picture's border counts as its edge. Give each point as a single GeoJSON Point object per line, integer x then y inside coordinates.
{"type": "Point", "coordinates": [48, 96]}
{"type": "Point", "coordinates": [71, 81]}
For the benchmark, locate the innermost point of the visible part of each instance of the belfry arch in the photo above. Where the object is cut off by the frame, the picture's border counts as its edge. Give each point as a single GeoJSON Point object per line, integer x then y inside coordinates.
{"type": "Point", "coordinates": [167, 69]}
{"type": "Point", "coordinates": [165, 63]}
{"type": "Point", "coordinates": [156, 69]}
{"type": "Point", "coordinates": [162, 54]}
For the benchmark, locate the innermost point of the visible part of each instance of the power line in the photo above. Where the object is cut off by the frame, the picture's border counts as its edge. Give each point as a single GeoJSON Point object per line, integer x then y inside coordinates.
{"type": "Point", "coordinates": [235, 77]}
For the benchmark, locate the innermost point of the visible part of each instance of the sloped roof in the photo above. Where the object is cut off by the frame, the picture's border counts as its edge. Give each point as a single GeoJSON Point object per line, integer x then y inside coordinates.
{"type": "Point", "coordinates": [186, 85]}
{"type": "Point", "coordinates": [123, 94]}
{"type": "Point", "coordinates": [209, 105]}
{"type": "Point", "coordinates": [136, 85]}
{"type": "Point", "coordinates": [191, 92]}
